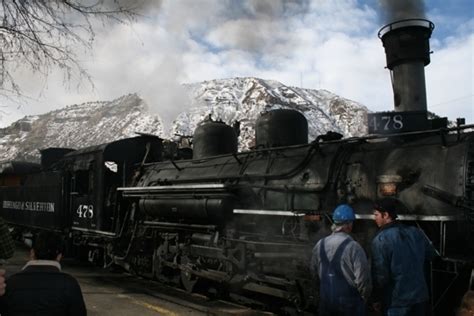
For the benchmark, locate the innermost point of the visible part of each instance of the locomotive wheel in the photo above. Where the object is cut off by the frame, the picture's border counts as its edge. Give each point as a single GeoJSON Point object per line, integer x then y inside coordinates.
{"type": "Point", "coordinates": [158, 263]}
{"type": "Point", "coordinates": [162, 272]}
{"type": "Point", "coordinates": [188, 279]}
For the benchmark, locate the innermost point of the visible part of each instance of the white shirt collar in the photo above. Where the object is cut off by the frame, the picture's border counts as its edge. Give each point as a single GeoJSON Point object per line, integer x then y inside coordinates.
{"type": "Point", "coordinates": [53, 263]}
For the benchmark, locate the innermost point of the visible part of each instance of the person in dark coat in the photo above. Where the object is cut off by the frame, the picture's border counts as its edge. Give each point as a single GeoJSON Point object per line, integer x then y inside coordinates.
{"type": "Point", "coordinates": [7, 245]}
{"type": "Point", "coordinates": [341, 266]}
{"type": "Point", "coordinates": [7, 248]}
{"type": "Point", "coordinates": [41, 288]}
{"type": "Point", "coordinates": [400, 254]}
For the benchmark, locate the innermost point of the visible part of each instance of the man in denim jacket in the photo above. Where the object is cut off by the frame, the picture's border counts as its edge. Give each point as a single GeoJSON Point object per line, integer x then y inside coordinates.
{"type": "Point", "coordinates": [400, 254]}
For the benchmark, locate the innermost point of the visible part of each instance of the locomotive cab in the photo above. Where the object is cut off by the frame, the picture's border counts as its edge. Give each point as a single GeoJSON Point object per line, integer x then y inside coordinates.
{"type": "Point", "coordinates": [95, 172]}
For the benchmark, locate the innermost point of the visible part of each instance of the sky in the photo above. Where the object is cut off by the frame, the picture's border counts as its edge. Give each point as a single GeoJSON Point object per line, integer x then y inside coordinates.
{"type": "Point", "coordinates": [314, 44]}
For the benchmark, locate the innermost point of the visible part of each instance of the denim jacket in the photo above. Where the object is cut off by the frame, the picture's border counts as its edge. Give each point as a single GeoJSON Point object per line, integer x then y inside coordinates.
{"type": "Point", "coordinates": [400, 255]}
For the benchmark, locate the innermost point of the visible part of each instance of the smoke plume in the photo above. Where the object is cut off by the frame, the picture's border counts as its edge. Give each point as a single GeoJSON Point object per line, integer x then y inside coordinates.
{"type": "Point", "coordinates": [255, 27]}
{"type": "Point", "coordinates": [394, 10]}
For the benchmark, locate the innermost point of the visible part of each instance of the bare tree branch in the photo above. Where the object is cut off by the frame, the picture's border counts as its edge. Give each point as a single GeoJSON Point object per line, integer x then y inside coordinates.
{"type": "Point", "coordinates": [44, 34]}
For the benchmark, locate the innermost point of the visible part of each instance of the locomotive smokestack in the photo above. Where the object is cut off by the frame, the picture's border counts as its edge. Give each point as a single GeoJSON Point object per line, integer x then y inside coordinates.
{"type": "Point", "coordinates": [407, 50]}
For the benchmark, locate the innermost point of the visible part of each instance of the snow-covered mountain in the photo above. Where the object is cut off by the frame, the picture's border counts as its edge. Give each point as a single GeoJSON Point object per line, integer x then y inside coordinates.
{"type": "Point", "coordinates": [229, 100]}
{"type": "Point", "coordinates": [77, 126]}
{"type": "Point", "coordinates": [244, 99]}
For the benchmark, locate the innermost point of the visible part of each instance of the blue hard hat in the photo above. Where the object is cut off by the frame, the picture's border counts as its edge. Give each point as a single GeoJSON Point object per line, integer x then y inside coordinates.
{"type": "Point", "coordinates": [343, 213]}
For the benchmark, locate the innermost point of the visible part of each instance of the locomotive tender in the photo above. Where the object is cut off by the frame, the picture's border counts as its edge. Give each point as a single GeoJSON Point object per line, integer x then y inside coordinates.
{"type": "Point", "coordinates": [245, 222]}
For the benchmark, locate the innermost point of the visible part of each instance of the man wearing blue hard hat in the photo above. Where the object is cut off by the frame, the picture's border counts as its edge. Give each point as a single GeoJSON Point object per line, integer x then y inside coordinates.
{"type": "Point", "coordinates": [341, 265]}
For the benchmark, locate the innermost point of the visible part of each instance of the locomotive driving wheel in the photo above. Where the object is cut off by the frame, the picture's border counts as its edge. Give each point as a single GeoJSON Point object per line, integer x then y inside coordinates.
{"type": "Point", "coordinates": [188, 279]}
{"type": "Point", "coordinates": [161, 271]}
{"type": "Point", "coordinates": [298, 298]}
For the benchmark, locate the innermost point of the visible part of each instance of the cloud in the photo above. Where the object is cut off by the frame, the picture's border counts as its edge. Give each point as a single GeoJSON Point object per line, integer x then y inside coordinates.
{"type": "Point", "coordinates": [450, 82]}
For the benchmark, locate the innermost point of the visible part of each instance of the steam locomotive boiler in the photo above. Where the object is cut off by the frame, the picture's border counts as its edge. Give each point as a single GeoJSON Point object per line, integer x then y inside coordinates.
{"type": "Point", "coordinates": [244, 223]}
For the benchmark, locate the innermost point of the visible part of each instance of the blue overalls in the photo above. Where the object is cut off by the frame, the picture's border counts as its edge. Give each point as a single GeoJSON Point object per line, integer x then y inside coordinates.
{"type": "Point", "coordinates": [337, 296]}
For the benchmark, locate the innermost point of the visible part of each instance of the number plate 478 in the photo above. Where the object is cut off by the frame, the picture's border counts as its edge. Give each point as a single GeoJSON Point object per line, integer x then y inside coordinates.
{"type": "Point", "coordinates": [85, 211]}
{"type": "Point", "coordinates": [396, 122]}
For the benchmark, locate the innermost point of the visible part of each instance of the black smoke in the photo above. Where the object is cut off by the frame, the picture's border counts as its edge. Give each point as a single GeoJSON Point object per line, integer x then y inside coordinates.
{"type": "Point", "coordinates": [394, 10]}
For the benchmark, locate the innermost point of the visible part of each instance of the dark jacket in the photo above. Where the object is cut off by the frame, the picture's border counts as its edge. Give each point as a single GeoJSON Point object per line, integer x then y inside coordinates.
{"type": "Point", "coordinates": [7, 246]}
{"type": "Point", "coordinates": [399, 257]}
{"type": "Point", "coordinates": [42, 290]}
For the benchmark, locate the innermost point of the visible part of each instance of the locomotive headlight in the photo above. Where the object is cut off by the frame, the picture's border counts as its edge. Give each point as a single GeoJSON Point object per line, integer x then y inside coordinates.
{"type": "Point", "coordinates": [387, 184]}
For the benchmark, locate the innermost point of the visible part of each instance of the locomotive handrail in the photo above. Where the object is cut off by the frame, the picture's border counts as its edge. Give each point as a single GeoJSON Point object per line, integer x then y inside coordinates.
{"type": "Point", "coordinates": [286, 174]}
{"type": "Point", "coordinates": [419, 217]}
{"type": "Point", "coordinates": [266, 243]}
{"type": "Point", "coordinates": [212, 186]}
{"type": "Point", "coordinates": [313, 145]}
{"type": "Point", "coordinates": [179, 225]}
{"type": "Point", "coordinates": [344, 140]}
{"type": "Point", "coordinates": [267, 212]}
{"type": "Point", "coordinates": [430, 131]}
{"type": "Point", "coordinates": [174, 189]}
{"type": "Point", "coordinates": [290, 188]}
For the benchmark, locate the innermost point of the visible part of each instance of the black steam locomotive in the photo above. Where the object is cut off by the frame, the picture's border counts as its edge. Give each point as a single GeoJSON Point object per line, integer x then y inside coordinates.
{"type": "Point", "coordinates": [244, 223]}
